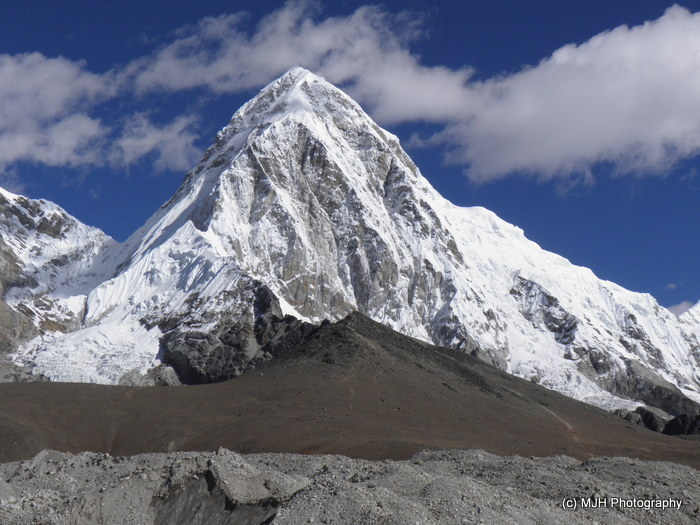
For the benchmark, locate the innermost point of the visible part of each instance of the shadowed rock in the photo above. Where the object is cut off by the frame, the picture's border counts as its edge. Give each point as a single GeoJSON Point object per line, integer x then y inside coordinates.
{"type": "Point", "coordinates": [683, 424]}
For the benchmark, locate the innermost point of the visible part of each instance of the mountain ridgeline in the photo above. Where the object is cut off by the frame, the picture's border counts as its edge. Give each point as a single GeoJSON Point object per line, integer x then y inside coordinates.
{"type": "Point", "coordinates": [304, 210]}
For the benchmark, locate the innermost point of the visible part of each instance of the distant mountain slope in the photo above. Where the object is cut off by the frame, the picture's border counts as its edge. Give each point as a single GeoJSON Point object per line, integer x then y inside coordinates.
{"type": "Point", "coordinates": [49, 262]}
{"type": "Point", "coordinates": [304, 206]}
{"type": "Point", "coordinates": [355, 388]}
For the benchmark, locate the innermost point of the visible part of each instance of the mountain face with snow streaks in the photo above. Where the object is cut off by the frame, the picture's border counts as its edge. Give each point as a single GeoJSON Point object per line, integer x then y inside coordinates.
{"type": "Point", "coordinates": [305, 210]}
{"type": "Point", "coordinates": [49, 261]}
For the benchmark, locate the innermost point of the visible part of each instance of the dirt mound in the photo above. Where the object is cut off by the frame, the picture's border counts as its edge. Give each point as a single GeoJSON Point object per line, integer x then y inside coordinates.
{"type": "Point", "coordinates": [355, 388]}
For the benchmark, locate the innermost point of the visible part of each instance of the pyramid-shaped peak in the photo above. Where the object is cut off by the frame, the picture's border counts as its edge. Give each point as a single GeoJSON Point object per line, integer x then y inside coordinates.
{"type": "Point", "coordinates": [292, 80]}
{"type": "Point", "coordinates": [294, 88]}
{"type": "Point", "coordinates": [298, 93]}
{"type": "Point", "coordinates": [296, 75]}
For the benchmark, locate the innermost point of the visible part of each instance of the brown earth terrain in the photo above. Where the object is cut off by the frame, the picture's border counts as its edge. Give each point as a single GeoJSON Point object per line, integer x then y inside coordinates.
{"type": "Point", "coordinates": [354, 388]}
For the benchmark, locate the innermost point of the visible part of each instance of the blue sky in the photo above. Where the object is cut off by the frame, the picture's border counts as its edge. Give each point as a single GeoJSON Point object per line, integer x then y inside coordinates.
{"type": "Point", "coordinates": [578, 121]}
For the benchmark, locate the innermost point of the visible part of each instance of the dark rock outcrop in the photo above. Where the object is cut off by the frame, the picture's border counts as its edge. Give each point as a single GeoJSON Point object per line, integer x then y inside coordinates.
{"type": "Point", "coordinates": [543, 309]}
{"type": "Point", "coordinates": [651, 420]}
{"type": "Point", "coordinates": [638, 382]}
{"type": "Point", "coordinates": [643, 417]}
{"type": "Point", "coordinates": [240, 340]}
{"type": "Point", "coordinates": [683, 425]}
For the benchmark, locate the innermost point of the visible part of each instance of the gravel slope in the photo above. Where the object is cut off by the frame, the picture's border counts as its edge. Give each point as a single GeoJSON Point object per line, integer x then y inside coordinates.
{"type": "Point", "coordinates": [455, 487]}
{"type": "Point", "coordinates": [354, 388]}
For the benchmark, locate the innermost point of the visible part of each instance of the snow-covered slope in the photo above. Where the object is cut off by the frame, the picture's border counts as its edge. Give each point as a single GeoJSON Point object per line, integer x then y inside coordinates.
{"type": "Point", "coordinates": [304, 206]}
{"type": "Point", "coordinates": [49, 261]}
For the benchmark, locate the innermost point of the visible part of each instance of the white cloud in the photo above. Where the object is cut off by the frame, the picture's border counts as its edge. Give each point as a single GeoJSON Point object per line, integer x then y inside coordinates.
{"type": "Point", "coordinates": [41, 110]}
{"type": "Point", "coordinates": [680, 308]}
{"type": "Point", "coordinates": [47, 116]}
{"type": "Point", "coordinates": [629, 97]}
{"type": "Point", "coordinates": [11, 181]}
{"type": "Point", "coordinates": [670, 286]}
{"type": "Point", "coordinates": [366, 52]}
{"type": "Point", "coordinates": [172, 145]}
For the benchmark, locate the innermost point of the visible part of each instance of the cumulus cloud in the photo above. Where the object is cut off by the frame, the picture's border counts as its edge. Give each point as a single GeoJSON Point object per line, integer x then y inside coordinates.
{"type": "Point", "coordinates": [172, 145]}
{"type": "Point", "coordinates": [366, 52]}
{"type": "Point", "coordinates": [680, 308]}
{"type": "Point", "coordinates": [628, 98]}
{"type": "Point", "coordinates": [11, 181]}
{"type": "Point", "coordinates": [42, 103]}
{"type": "Point", "coordinates": [48, 110]}
{"type": "Point", "coordinates": [219, 54]}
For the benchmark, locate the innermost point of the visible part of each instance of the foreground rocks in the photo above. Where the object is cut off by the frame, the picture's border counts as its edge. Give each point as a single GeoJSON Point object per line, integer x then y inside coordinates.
{"type": "Point", "coordinates": [430, 488]}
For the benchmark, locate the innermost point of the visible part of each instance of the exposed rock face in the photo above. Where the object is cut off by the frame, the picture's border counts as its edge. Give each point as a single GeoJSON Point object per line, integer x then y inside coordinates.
{"type": "Point", "coordinates": [303, 195]}
{"type": "Point", "coordinates": [226, 488]}
{"type": "Point", "coordinates": [46, 259]}
{"type": "Point", "coordinates": [644, 418]}
{"type": "Point", "coordinates": [161, 375]}
{"type": "Point", "coordinates": [16, 326]}
{"type": "Point", "coordinates": [544, 311]}
{"type": "Point", "coordinates": [240, 340]}
{"type": "Point", "coordinates": [683, 424]}
{"type": "Point", "coordinates": [651, 420]}
{"type": "Point", "coordinates": [646, 385]}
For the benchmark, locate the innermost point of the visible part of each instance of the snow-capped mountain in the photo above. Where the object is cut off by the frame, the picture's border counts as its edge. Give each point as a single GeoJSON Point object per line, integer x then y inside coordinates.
{"type": "Point", "coordinates": [304, 206]}
{"type": "Point", "coordinates": [49, 262]}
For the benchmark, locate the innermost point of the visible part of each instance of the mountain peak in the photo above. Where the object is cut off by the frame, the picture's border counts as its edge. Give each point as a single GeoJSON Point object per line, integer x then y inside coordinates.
{"type": "Point", "coordinates": [305, 206]}
{"type": "Point", "coordinates": [296, 75]}
{"type": "Point", "coordinates": [298, 94]}
{"type": "Point", "coordinates": [291, 84]}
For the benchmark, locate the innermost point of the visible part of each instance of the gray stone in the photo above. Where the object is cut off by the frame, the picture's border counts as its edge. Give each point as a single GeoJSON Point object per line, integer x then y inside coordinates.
{"type": "Point", "coordinates": [437, 487]}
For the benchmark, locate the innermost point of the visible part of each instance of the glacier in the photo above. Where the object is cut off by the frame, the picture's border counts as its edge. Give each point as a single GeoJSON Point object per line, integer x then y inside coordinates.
{"type": "Point", "coordinates": [306, 209]}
